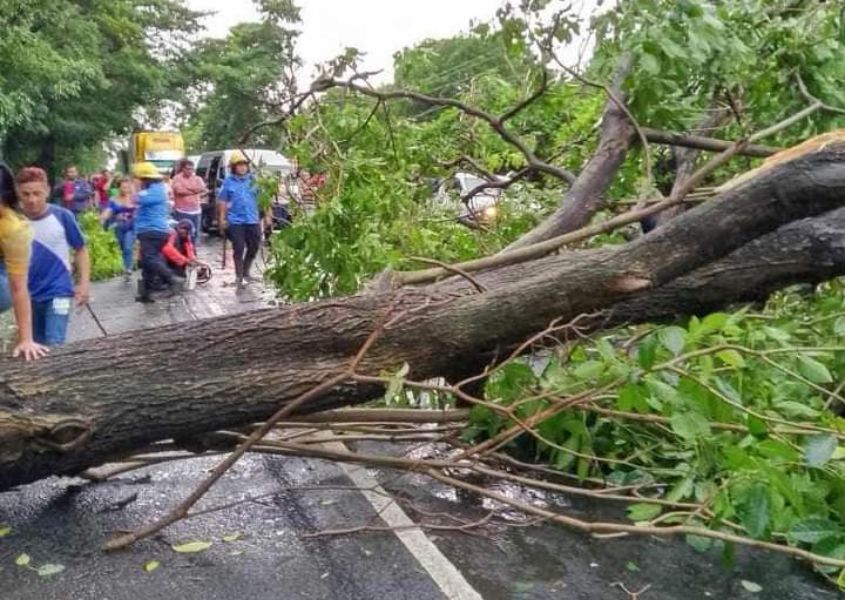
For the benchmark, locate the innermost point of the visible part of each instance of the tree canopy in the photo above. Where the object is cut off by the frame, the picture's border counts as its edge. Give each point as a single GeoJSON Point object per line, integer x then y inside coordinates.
{"type": "Point", "coordinates": [75, 74]}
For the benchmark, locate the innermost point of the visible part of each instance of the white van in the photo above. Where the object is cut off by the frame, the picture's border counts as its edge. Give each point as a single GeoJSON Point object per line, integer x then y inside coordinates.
{"type": "Point", "coordinates": [214, 166]}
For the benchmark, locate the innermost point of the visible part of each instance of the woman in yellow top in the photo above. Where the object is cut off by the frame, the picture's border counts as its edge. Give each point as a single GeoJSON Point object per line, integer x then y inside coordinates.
{"type": "Point", "coordinates": [15, 241]}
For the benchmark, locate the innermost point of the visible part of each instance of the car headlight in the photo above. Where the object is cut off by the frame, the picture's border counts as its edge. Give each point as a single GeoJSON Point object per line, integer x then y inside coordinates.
{"type": "Point", "coordinates": [491, 212]}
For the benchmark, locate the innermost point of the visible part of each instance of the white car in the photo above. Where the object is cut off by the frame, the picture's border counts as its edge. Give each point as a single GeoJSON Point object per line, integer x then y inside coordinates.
{"type": "Point", "coordinates": [481, 208]}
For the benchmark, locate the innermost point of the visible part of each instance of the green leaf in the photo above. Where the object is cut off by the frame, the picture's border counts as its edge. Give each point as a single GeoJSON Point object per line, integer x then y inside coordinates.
{"type": "Point", "coordinates": [818, 449]}
{"type": "Point", "coordinates": [680, 490]}
{"type": "Point", "coordinates": [732, 358]}
{"type": "Point", "coordinates": [644, 511]}
{"type": "Point", "coordinates": [700, 543]}
{"type": "Point", "coordinates": [48, 569]}
{"type": "Point", "coordinates": [632, 566]}
{"type": "Point", "coordinates": [5, 530]}
{"type": "Point", "coordinates": [589, 369]}
{"type": "Point", "coordinates": [755, 512]}
{"type": "Point", "coordinates": [757, 427]}
{"type": "Point", "coordinates": [191, 547]}
{"type": "Point", "coordinates": [754, 588]}
{"type": "Point", "coordinates": [22, 560]}
{"type": "Point", "coordinates": [647, 352]}
{"type": "Point", "coordinates": [672, 338]}
{"type": "Point", "coordinates": [670, 48]}
{"type": "Point", "coordinates": [833, 547]}
{"type": "Point", "coordinates": [232, 537]}
{"type": "Point", "coordinates": [151, 565]}
{"type": "Point", "coordinates": [649, 63]}
{"type": "Point", "coordinates": [714, 322]}
{"type": "Point", "coordinates": [839, 327]}
{"type": "Point", "coordinates": [690, 425]}
{"type": "Point", "coordinates": [777, 449]}
{"type": "Point", "coordinates": [813, 370]}
{"type": "Point", "coordinates": [663, 392]}
{"type": "Point", "coordinates": [778, 335]}
{"type": "Point", "coordinates": [813, 530]}
{"type": "Point", "coordinates": [790, 408]}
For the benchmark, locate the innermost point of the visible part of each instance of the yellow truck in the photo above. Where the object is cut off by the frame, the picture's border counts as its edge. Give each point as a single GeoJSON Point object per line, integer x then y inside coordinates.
{"type": "Point", "coordinates": [162, 148]}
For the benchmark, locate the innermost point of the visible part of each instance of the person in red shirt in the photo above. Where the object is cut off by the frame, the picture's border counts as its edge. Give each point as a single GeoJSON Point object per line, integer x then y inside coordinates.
{"type": "Point", "coordinates": [179, 250]}
{"type": "Point", "coordinates": [189, 189]}
{"type": "Point", "coordinates": [101, 183]}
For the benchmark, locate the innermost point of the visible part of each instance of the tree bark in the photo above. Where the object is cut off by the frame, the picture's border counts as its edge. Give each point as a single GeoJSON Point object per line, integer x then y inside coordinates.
{"type": "Point", "coordinates": [95, 401]}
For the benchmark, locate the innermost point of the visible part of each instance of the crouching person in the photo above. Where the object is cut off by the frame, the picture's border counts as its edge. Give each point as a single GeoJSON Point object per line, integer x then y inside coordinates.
{"type": "Point", "coordinates": [56, 236]}
{"type": "Point", "coordinates": [179, 251]}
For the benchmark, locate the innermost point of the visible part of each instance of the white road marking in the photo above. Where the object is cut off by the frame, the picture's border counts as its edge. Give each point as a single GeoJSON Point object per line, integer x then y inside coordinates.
{"type": "Point", "coordinates": [442, 571]}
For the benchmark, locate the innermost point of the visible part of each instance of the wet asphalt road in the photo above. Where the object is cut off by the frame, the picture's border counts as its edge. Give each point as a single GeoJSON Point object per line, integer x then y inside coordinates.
{"type": "Point", "coordinates": [64, 521]}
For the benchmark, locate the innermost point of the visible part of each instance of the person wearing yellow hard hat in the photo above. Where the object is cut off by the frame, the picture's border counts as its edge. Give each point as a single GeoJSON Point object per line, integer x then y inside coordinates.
{"type": "Point", "coordinates": [239, 217]}
{"type": "Point", "coordinates": [152, 229]}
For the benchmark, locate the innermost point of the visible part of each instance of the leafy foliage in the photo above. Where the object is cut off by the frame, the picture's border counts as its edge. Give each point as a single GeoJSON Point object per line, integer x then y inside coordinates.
{"type": "Point", "coordinates": [106, 261]}
{"type": "Point", "coordinates": [737, 412]}
{"type": "Point", "coordinates": [689, 58]}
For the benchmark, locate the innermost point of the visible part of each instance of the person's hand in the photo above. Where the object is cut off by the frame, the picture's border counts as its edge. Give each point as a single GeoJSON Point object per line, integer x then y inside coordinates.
{"type": "Point", "coordinates": [29, 350]}
{"type": "Point", "coordinates": [82, 294]}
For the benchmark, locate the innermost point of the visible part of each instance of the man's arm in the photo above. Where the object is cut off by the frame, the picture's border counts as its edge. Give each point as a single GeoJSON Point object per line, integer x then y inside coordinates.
{"type": "Point", "coordinates": [83, 267]}
{"type": "Point", "coordinates": [81, 257]}
{"type": "Point", "coordinates": [222, 207]}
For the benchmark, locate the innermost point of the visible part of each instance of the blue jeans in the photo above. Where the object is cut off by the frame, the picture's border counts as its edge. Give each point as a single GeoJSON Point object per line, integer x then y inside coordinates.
{"type": "Point", "coordinates": [50, 320]}
{"type": "Point", "coordinates": [194, 219]}
{"type": "Point", "coordinates": [5, 292]}
{"type": "Point", "coordinates": [126, 241]}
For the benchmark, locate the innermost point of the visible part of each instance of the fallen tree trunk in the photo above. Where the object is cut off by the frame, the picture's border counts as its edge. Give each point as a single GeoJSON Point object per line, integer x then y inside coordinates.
{"type": "Point", "coordinates": [96, 401]}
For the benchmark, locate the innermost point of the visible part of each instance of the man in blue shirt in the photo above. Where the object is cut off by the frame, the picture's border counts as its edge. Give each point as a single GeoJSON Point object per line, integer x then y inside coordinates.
{"type": "Point", "coordinates": [238, 216]}
{"type": "Point", "coordinates": [55, 235]}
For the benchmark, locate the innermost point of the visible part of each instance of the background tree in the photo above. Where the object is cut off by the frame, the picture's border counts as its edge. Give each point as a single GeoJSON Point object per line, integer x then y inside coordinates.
{"type": "Point", "coordinates": [239, 80]}
{"type": "Point", "coordinates": [90, 71]}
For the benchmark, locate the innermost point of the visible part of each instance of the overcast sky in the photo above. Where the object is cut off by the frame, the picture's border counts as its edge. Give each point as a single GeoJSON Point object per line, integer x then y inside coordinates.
{"type": "Point", "coordinates": [377, 27]}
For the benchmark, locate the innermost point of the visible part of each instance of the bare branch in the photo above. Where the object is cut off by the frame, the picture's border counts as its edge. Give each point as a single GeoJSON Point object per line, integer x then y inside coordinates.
{"type": "Point", "coordinates": [476, 166]}
{"type": "Point", "coordinates": [497, 184]}
{"type": "Point", "coordinates": [544, 85]}
{"type": "Point", "coordinates": [671, 138]}
{"type": "Point", "coordinates": [813, 100]}
{"type": "Point", "coordinates": [495, 122]}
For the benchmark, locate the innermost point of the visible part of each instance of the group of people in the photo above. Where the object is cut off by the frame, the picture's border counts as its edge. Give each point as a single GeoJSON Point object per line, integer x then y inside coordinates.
{"type": "Point", "coordinates": [165, 253]}
{"type": "Point", "coordinates": [38, 239]}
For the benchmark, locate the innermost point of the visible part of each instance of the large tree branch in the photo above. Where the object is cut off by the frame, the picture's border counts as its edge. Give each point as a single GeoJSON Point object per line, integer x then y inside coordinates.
{"type": "Point", "coordinates": [69, 411]}
{"type": "Point", "coordinates": [515, 255]}
{"type": "Point", "coordinates": [585, 195]}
